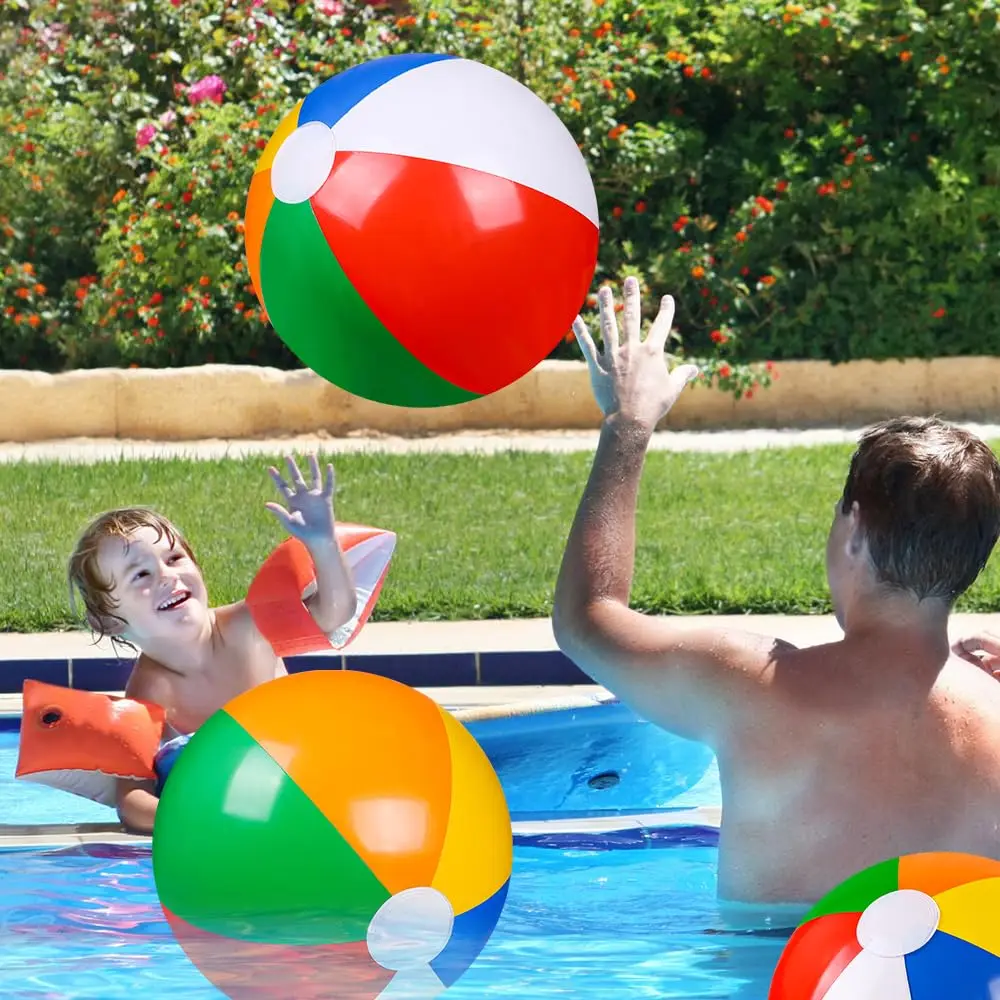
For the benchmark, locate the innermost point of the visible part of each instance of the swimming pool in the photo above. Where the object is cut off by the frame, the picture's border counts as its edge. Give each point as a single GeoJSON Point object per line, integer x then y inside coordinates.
{"type": "Point", "coordinates": [581, 920]}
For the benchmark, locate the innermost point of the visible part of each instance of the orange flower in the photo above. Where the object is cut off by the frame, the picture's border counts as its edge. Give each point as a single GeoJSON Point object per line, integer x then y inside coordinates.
{"type": "Point", "coordinates": [945, 69]}
{"type": "Point", "coordinates": [571, 73]}
{"type": "Point", "coordinates": [250, 314]}
{"type": "Point", "coordinates": [689, 70]}
{"type": "Point", "coordinates": [204, 280]}
{"type": "Point", "coordinates": [905, 56]}
{"type": "Point", "coordinates": [28, 268]}
{"type": "Point", "coordinates": [119, 194]}
{"type": "Point", "coordinates": [607, 85]}
{"type": "Point", "coordinates": [618, 131]}
{"type": "Point", "coordinates": [741, 237]}
{"type": "Point", "coordinates": [824, 22]}
{"type": "Point", "coordinates": [233, 216]}
{"type": "Point", "coordinates": [767, 279]}
{"type": "Point", "coordinates": [630, 94]}
{"type": "Point", "coordinates": [34, 321]}
{"type": "Point", "coordinates": [22, 293]}
{"type": "Point", "coordinates": [697, 271]}
{"type": "Point", "coordinates": [575, 104]}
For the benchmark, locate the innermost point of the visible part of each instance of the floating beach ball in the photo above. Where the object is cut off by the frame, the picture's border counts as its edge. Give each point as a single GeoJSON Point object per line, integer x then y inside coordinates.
{"type": "Point", "coordinates": [919, 927]}
{"type": "Point", "coordinates": [332, 834]}
{"type": "Point", "coordinates": [421, 230]}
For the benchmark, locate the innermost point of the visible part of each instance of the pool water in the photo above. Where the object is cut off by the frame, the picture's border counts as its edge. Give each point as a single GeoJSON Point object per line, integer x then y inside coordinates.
{"type": "Point", "coordinates": [581, 921]}
{"type": "Point", "coordinates": [84, 922]}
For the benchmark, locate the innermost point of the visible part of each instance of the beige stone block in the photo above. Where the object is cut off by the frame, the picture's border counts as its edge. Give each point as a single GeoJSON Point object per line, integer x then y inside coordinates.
{"type": "Point", "coordinates": [238, 401]}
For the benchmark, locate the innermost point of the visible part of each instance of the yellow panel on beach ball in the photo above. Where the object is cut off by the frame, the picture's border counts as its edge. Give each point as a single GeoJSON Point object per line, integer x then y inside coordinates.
{"type": "Point", "coordinates": [478, 851]}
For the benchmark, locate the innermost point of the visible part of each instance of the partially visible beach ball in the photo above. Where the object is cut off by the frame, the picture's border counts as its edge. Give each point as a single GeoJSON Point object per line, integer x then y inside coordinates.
{"type": "Point", "coordinates": [919, 927]}
{"type": "Point", "coordinates": [421, 230]}
{"type": "Point", "coordinates": [332, 835]}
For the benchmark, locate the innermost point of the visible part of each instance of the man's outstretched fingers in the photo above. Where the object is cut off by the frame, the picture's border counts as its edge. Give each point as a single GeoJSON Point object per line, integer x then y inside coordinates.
{"type": "Point", "coordinates": [609, 323]}
{"type": "Point", "coordinates": [662, 325]}
{"type": "Point", "coordinates": [633, 310]}
{"type": "Point", "coordinates": [584, 339]}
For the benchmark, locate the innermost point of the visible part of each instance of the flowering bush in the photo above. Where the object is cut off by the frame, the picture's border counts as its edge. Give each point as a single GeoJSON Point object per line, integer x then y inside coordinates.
{"type": "Point", "coordinates": [807, 181]}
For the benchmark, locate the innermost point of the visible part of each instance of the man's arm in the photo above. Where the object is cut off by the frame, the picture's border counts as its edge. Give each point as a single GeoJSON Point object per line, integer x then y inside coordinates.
{"type": "Point", "coordinates": [693, 682]}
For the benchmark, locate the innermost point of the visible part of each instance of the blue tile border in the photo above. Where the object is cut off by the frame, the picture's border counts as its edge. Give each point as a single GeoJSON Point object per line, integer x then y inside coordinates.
{"type": "Point", "coordinates": [453, 669]}
{"type": "Point", "coordinates": [546, 666]}
{"type": "Point", "coordinates": [13, 673]}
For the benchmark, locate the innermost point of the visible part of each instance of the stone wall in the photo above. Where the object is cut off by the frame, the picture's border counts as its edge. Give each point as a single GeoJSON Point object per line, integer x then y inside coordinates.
{"type": "Point", "coordinates": [230, 401]}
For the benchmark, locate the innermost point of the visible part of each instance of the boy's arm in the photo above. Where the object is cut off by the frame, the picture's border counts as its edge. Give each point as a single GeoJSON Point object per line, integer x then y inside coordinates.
{"type": "Point", "coordinates": [334, 601]}
{"type": "Point", "coordinates": [695, 682]}
{"type": "Point", "coordinates": [135, 800]}
{"type": "Point", "coordinates": [137, 805]}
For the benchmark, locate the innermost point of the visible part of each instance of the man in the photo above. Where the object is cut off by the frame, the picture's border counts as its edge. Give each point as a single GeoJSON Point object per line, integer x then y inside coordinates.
{"type": "Point", "coordinates": [834, 757]}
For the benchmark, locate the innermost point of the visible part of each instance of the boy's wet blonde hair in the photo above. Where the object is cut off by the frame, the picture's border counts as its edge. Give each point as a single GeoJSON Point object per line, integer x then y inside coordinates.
{"type": "Point", "coordinates": [84, 575]}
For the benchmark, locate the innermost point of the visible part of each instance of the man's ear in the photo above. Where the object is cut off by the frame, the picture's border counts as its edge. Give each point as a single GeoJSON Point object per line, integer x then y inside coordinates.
{"type": "Point", "coordinates": [856, 541]}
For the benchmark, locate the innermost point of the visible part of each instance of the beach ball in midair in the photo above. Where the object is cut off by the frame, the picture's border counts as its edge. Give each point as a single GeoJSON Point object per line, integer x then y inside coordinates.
{"type": "Point", "coordinates": [332, 834]}
{"type": "Point", "coordinates": [919, 927]}
{"type": "Point", "coordinates": [421, 230]}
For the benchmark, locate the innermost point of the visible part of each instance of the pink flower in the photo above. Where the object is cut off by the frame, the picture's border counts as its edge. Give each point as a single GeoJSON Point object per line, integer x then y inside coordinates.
{"type": "Point", "coordinates": [175, 3]}
{"type": "Point", "coordinates": [144, 136]}
{"type": "Point", "coordinates": [210, 88]}
{"type": "Point", "coordinates": [168, 118]}
{"type": "Point", "coordinates": [330, 7]}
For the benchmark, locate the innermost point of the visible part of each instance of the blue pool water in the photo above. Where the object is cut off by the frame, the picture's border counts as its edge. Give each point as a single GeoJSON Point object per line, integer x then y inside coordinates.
{"type": "Point", "coordinates": [85, 922]}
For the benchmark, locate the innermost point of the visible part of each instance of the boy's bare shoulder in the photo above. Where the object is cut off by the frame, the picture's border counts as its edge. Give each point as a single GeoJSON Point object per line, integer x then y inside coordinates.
{"type": "Point", "coordinates": [238, 626]}
{"type": "Point", "coordinates": [150, 682]}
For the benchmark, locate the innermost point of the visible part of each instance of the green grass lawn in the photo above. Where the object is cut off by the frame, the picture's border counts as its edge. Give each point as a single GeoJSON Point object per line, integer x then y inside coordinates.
{"type": "Point", "coordinates": [479, 536]}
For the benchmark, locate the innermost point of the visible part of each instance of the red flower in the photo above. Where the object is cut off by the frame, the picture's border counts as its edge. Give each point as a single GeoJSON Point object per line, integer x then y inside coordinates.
{"type": "Point", "coordinates": [718, 337]}
{"type": "Point", "coordinates": [681, 223]}
{"type": "Point", "coordinates": [764, 204]}
{"type": "Point", "coordinates": [939, 313]}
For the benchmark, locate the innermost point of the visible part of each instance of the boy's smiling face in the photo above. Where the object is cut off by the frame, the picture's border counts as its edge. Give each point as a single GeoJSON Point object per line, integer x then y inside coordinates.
{"type": "Point", "coordinates": [157, 586]}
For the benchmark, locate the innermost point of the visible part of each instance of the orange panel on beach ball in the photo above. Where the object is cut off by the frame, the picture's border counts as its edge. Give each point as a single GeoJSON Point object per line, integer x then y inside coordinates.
{"type": "Point", "coordinates": [382, 779]}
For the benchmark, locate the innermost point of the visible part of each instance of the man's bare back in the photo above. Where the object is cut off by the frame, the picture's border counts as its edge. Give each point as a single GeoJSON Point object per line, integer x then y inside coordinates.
{"type": "Point", "coordinates": [240, 660]}
{"type": "Point", "coordinates": [847, 762]}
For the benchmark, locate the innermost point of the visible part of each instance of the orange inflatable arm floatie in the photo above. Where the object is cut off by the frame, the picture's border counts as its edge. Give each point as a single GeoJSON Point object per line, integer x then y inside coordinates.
{"type": "Point", "coordinates": [276, 598]}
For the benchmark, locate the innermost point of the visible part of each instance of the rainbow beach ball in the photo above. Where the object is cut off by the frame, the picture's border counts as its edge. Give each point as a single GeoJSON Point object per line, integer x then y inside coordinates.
{"type": "Point", "coordinates": [919, 927]}
{"type": "Point", "coordinates": [421, 230]}
{"type": "Point", "coordinates": [332, 835]}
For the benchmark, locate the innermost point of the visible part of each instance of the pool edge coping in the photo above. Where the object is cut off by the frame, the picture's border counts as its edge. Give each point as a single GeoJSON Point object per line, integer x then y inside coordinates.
{"type": "Point", "coordinates": [16, 836]}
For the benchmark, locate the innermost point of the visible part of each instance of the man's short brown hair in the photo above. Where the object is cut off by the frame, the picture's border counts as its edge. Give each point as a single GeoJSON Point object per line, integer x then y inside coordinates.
{"type": "Point", "coordinates": [929, 504]}
{"type": "Point", "coordinates": [84, 572]}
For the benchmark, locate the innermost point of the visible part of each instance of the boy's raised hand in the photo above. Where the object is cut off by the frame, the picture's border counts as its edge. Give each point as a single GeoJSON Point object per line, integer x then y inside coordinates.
{"type": "Point", "coordinates": [309, 515]}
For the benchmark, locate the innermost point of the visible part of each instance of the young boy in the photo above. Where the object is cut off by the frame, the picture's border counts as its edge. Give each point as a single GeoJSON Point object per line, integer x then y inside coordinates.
{"type": "Point", "coordinates": [140, 583]}
{"type": "Point", "coordinates": [832, 757]}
